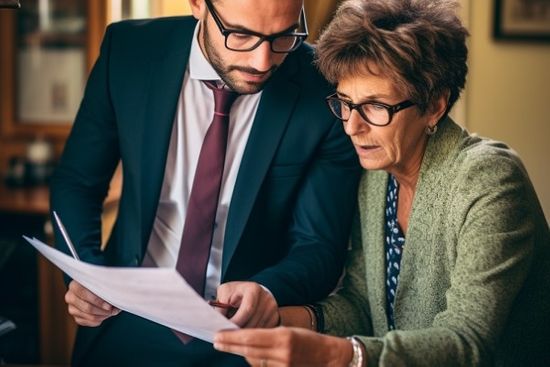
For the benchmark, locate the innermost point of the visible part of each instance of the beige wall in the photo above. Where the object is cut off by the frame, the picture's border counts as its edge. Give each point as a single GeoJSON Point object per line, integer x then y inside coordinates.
{"type": "Point", "coordinates": [508, 95]}
{"type": "Point", "coordinates": [171, 7]}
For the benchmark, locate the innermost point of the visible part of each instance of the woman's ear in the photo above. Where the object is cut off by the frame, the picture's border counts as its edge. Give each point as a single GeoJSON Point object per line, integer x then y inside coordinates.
{"type": "Point", "coordinates": [439, 107]}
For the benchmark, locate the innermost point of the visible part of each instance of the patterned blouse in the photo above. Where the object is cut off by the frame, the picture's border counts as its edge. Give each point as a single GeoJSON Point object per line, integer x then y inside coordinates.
{"type": "Point", "coordinates": [395, 240]}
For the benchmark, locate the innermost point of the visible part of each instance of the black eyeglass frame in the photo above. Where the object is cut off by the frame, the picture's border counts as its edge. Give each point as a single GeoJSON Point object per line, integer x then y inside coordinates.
{"type": "Point", "coordinates": [391, 109]}
{"type": "Point", "coordinates": [301, 36]}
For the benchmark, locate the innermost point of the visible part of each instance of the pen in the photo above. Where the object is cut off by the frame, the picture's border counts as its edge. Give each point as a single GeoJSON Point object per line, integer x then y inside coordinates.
{"type": "Point", "coordinates": [65, 236]}
{"type": "Point", "coordinates": [222, 305]}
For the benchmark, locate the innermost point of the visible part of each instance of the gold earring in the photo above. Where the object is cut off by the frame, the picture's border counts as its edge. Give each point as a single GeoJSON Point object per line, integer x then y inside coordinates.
{"type": "Point", "coordinates": [430, 130]}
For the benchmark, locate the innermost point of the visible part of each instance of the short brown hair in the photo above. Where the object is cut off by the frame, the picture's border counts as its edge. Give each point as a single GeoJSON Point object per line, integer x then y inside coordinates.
{"type": "Point", "coordinates": [420, 44]}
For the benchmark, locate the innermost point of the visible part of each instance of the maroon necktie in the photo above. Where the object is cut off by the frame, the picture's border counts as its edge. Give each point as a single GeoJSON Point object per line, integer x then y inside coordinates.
{"type": "Point", "coordinates": [203, 201]}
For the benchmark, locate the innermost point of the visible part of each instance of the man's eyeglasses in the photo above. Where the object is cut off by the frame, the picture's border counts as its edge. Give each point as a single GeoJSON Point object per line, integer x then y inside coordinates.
{"type": "Point", "coordinates": [374, 113]}
{"type": "Point", "coordinates": [245, 40]}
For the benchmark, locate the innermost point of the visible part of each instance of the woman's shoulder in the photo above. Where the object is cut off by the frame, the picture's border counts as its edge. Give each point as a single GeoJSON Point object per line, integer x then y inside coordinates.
{"type": "Point", "coordinates": [479, 159]}
{"type": "Point", "coordinates": [458, 155]}
{"type": "Point", "coordinates": [484, 170]}
{"type": "Point", "coordinates": [462, 168]}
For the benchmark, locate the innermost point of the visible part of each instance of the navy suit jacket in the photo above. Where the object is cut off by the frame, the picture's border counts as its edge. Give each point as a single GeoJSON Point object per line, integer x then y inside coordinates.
{"type": "Point", "coordinates": [291, 209]}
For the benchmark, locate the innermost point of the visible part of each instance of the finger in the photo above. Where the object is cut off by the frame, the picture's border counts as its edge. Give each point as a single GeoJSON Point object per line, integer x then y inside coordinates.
{"type": "Point", "coordinates": [86, 322]}
{"type": "Point", "coordinates": [246, 351]}
{"type": "Point", "coordinates": [86, 295]}
{"type": "Point", "coordinates": [246, 309]}
{"type": "Point", "coordinates": [254, 362]}
{"type": "Point", "coordinates": [263, 362]}
{"type": "Point", "coordinates": [223, 292]}
{"type": "Point", "coordinates": [83, 322]}
{"type": "Point", "coordinates": [250, 337]}
{"type": "Point", "coordinates": [85, 319]}
{"type": "Point", "coordinates": [253, 355]}
{"type": "Point", "coordinates": [84, 306]}
{"type": "Point", "coordinates": [257, 315]}
{"type": "Point", "coordinates": [270, 319]}
{"type": "Point", "coordinates": [257, 344]}
{"type": "Point", "coordinates": [74, 311]}
{"type": "Point", "coordinates": [266, 314]}
{"type": "Point", "coordinates": [226, 294]}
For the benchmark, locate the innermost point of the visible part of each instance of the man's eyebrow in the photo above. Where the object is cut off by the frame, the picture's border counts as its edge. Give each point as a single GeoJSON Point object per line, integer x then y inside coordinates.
{"type": "Point", "coordinates": [237, 27]}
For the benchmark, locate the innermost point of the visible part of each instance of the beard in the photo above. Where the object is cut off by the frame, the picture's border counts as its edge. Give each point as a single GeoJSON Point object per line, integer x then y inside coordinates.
{"type": "Point", "coordinates": [225, 71]}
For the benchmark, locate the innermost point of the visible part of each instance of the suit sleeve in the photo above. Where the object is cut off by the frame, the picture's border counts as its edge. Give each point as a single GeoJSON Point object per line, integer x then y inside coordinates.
{"type": "Point", "coordinates": [319, 230]}
{"type": "Point", "coordinates": [81, 180]}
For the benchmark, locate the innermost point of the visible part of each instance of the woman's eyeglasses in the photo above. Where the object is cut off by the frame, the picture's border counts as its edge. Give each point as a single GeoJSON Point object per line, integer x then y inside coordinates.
{"type": "Point", "coordinates": [374, 113]}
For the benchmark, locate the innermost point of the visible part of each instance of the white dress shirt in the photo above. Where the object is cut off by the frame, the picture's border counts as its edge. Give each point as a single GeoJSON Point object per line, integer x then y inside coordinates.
{"type": "Point", "coordinates": [193, 117]}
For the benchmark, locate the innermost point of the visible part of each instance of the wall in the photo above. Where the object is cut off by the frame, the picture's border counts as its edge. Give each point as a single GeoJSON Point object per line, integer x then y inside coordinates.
{"type": "Point", "coordinates": [508, 95]}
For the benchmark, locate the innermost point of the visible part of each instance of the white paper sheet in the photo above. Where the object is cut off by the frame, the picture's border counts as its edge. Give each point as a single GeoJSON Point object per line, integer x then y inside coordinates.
{"type": "Point", "coordinates": [157, 294]}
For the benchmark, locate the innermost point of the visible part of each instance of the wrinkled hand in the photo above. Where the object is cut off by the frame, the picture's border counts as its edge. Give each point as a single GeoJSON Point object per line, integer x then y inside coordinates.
{"type": "Point", "coordinates": [86, 308]}
{"type": "Point", "coordinates": [256, 305]}
{"type": "Point", "coordinates": [285, 346]}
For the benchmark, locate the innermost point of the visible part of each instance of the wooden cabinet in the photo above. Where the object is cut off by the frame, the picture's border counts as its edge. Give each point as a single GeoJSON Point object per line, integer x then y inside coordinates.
{"type": "Point", "coordinates": [55, 329]}
{"type": "Point", "coordinates": [47, 47]}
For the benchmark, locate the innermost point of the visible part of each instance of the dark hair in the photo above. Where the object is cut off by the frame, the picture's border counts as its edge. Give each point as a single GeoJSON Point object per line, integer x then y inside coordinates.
{"type": "Point", "coordinates": [420, 44]}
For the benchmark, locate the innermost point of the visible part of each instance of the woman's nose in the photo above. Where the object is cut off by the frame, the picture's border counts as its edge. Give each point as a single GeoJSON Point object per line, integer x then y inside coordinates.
{"type": "Point", "coordinates": [355, 124]}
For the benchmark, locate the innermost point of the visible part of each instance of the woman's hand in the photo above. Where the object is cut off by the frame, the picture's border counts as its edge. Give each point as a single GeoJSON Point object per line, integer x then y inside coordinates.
{"type": "Point", "coordinates": [285, 346]}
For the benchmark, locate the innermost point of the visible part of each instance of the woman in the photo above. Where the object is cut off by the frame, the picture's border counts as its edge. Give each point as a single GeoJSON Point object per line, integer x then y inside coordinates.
{"type": "Point", "coordinates": [449, 263]}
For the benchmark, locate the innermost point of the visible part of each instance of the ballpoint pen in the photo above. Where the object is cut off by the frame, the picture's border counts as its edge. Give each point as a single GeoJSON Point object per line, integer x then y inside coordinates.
{"type": "Point", "coordinates": [230, 309]}
{"type": "Point", "coordinates": [65, 236]}
{"type": "Point", "coordinates": [221, 305]}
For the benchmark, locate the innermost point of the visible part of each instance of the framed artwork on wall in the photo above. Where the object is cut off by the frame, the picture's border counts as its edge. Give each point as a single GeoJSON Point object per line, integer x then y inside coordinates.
{"type": "Point", "coordinates": [527, 20]}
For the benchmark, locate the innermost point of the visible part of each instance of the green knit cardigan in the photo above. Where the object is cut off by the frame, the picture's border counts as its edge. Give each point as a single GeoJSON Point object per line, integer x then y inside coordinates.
{"type": "Point", "coordinates": [474, 285]}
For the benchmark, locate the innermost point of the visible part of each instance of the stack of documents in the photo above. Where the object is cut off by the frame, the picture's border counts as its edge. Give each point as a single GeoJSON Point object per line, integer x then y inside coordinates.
{"type": "Point", "coordinates": [157, 294]}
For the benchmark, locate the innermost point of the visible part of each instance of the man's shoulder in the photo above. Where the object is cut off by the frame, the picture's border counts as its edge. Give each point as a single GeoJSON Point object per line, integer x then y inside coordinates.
{"type": "Point", "coordinates": [301, 67]}
{"type": "Point", "coordinates": [149, 35]}
{"type": "Point", "coordinates": [152, 25]}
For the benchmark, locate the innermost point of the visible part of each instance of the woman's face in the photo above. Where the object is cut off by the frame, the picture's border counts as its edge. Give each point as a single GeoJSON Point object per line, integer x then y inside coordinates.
{"type": "Point", "coordinates": [398, 147]}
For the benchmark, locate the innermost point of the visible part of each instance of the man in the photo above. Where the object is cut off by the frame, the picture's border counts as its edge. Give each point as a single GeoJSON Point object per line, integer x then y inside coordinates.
{"type": "Point", "coordinates": [289, 181]}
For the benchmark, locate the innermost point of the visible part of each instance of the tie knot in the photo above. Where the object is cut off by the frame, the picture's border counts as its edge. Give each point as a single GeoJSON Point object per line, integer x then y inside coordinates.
{"type": "Point", "coordinates": [223, 98]}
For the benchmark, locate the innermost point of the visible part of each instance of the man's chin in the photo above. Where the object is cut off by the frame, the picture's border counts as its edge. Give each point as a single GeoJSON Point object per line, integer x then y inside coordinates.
{"type": "Point", "coordinates": [247, 83]}
{"type": "Point", "coordinates": [247, 87]}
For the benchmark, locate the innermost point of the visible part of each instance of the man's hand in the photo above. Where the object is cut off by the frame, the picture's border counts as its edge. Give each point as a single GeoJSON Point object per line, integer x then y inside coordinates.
{"type": "Point", "coordinates": [257, 307]}
{"type": "Point", "coordinates": [86, 308]}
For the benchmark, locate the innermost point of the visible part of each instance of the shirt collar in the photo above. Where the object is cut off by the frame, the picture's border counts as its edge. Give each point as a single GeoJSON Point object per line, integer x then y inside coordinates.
{"type": "Point", "coordinates": [199, 67]}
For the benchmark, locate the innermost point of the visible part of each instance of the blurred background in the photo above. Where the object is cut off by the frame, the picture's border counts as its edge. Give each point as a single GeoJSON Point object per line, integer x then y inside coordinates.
{"type": "Point", "coordinates": [47, 49]}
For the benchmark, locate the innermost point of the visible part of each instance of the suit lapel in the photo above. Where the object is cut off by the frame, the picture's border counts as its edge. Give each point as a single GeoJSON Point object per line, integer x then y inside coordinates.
{"type": "Point", "coordinates": [418, 242]}
{"type": "Point", "coordinates": [276, 106]}
{"type": "Point", "coordinates": [166, 79]}
{"type": "Point", "coordinates": [372, 201]}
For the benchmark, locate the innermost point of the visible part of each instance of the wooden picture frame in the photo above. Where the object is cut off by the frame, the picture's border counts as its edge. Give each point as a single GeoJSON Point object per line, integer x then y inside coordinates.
{"type": "Point", "coordinates": [522, 20]}
{"type": "Point", "coordinates": [10, 4]}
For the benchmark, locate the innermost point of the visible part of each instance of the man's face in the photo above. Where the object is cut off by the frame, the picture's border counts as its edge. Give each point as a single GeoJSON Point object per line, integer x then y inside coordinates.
{"type": "Point", "coordinates": [245, 72]}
